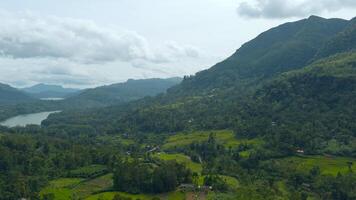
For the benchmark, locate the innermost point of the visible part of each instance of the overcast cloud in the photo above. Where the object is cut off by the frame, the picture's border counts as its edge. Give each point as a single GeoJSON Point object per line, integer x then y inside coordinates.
{"type": "Point", "coordinates": [291, 8]}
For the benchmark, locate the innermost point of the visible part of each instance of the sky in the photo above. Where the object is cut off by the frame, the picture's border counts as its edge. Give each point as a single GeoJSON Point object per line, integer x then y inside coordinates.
{"type": "Point", "coordinates": [87, 43]}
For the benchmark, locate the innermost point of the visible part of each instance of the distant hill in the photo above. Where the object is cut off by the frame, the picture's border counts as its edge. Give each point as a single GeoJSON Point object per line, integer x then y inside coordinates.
{"type": "Point", "coordinates": [10, 95]}
{"type": "Point", "coordinates": [122, 92]}
{"type": "Point", "coordinates": [49, 91]}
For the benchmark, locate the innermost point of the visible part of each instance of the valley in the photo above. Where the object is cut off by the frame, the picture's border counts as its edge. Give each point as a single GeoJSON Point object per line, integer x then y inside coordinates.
{"type": "Point", "coordinates": [275, 120]}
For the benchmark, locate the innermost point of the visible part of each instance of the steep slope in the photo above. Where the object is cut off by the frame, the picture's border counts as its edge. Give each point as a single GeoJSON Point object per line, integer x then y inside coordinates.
{"type": "Point", "coordinates": [122, 92]}
{"type": "Point", "coordinates": [49, 91]}
{"type": "Point", "coordinates": [343, 41]}
{"type": "Point", "coordinates": [9, 95]}
{"type": "Point", "coordinates": [286, 47]}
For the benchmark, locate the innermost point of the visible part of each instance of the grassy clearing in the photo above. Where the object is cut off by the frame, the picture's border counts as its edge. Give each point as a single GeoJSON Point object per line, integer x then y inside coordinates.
{"type": "Point", "coordinates": [60, 188]}
{"type": "Point", "coordinates": [181, 158]}
{"type": "Point", "coordinates": [95, 185]}
{"type": "Point", "coordinates": [327, 165]}
{"type": "Point", "coordinates": [66, 188]}
{"type": "Point", "coordinates": [226, 137]}
{"type": "Point", "coordinates": [232, 182]}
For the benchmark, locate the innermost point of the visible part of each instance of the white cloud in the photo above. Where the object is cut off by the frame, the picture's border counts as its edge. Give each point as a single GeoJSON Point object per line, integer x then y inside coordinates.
{"type": "Point", "coordinates": [80, 53]}
{"type": "Point", "coordinates": [25, 35]}
{"type": "Point", "coordinates": [291, 8]}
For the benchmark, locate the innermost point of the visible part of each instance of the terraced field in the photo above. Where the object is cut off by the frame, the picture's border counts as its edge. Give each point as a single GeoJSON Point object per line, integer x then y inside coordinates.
{"type": "Point", "coordinates": [226, 137]}
{"type": "Point", "coordinates": [328, 165]}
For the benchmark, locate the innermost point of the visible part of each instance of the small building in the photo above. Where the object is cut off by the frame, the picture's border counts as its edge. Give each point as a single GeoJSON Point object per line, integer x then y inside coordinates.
{"type": "Point", "coordinates": [300, 151]}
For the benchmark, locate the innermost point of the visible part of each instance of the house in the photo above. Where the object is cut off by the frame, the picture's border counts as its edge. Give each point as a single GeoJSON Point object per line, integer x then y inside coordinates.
{"type": "Point", "coordinates": [301, 151]}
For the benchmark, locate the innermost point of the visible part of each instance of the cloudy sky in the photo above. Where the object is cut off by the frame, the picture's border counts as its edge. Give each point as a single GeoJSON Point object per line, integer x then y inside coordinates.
{"type": "Point", "coordinates": [85, 43]}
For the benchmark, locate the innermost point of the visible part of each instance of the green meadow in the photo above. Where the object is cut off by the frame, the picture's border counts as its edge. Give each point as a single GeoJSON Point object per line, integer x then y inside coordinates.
{"type": "Point", "coordinates": [60, 188]}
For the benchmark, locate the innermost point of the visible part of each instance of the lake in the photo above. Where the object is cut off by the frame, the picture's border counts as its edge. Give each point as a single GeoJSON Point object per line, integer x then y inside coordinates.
{"type": "Point", "coordinates": [52, 99]}
{"type": "Point", "coordinates": [28, 119]}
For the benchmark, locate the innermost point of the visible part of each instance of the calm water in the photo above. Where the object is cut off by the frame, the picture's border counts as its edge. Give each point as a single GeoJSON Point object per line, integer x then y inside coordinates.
{"type": "Point", "coordinates": [52, 99]}
{"type": "Point", "coordinates": [23, 120]}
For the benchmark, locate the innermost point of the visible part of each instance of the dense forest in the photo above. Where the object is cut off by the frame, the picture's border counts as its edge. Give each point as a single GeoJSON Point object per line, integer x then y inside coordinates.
{"type": "Point", "coordinates": [273, 121]}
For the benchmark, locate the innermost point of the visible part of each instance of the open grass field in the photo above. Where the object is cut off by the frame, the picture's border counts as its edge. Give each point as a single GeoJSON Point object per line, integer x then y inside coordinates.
{"type": "Point", "coordinates": [60, 188]}
{"type": "Point", "coordinates": [328, 165]}
{"type": "Point", "coordinates": [181, 158]}
{"type": "Point", "coordinates": [232, 182]}
{"type": "Point", "coordinates": [226, 137]}
{"type": "Point", "coordinates": [87, 188]}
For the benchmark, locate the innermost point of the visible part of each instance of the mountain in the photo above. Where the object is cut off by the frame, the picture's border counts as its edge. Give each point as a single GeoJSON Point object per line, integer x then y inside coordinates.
{"type": "Point", "coordinates": [122, 92]}
{"type": "Point", "coordinates": [280, 49]}
{"type": "Point", "coordinates": [10, 95]}
{"type": "Point", "coordinates": [260, 91]}
{"type": "Point", "coordinates": [49, 91]}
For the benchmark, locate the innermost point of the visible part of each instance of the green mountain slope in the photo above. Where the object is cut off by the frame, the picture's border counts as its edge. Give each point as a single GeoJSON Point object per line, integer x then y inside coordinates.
{"type": "Point", "coordinates": [286, 47]}
{"type": "Point", "coordinates": [308, 108]}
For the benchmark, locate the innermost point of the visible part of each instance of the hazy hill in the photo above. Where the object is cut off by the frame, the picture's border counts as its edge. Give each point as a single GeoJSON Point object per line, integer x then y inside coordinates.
{"type": "Point", "coordinates": [49, 91]}
{"type": "Point", "coordinates": [122, 92]}
{"type": "Point", "coordinates": [10, 95]}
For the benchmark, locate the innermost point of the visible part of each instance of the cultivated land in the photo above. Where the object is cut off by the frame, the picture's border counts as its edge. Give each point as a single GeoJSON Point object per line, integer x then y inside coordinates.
{"type": "Point", "coordinates": [226, 137]}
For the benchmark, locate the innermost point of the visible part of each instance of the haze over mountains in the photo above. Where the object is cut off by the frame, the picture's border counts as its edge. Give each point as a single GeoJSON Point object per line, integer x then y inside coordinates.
{"type": "Point", "coordinates": [122, 92]}
{"type": "Point", "coordinates": [49, 91]}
